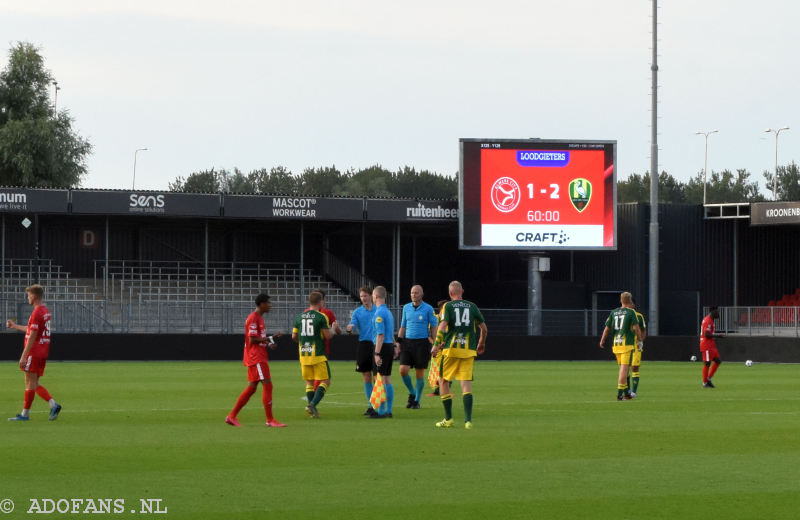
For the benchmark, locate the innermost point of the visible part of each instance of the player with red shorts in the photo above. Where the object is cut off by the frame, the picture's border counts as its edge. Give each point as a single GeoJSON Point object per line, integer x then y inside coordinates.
{"type": "Point", "coordinates": [256, 360]}
{"type": "Point", "coordinates": [708, 347]}
{"type": "Point", "coordinates": [35, 353]}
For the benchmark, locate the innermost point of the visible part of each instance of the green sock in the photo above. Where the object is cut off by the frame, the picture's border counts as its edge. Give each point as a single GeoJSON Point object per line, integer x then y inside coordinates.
{"type": "Point", "coordinates": [447, 402]}
{"type": "Point", "coordinates": [635, 383]}
{"type": "Point", "coordinates": [309, 393]}
{"type": "Point", "coordinates": [318, 395]}
{"type": "Point", "coordinates": [629, 382]}
{"type": "Point", "coordinates": [468, 407]}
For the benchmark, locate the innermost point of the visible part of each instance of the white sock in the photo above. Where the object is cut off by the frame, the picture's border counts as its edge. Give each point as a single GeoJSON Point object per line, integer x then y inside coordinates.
{"type": "Point", "coordinates": [25, 412]}
{"type": "Point", "coordinates": [52, 403]}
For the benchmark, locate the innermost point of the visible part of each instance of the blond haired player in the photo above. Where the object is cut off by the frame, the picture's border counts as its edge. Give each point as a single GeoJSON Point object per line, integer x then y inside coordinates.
{"type": "Point", "coordinates": [310, 331]}
{"type": "Point", "coordinates": [626, 333]}
{"type": "Point", "coordinates": [458, 335]}
{"type": "Point", "coordinates": [35, 353]}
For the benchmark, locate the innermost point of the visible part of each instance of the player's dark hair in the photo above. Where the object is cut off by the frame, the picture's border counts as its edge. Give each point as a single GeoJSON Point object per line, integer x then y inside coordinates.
{"type": "Point", "coordinates": [262, 298]}
{"type": "Point", "coordinates": [366, 289]}
{"type": "Point", "coordinates": [321, 292]}
{"type": "Point", "coordinates": [439, 305]}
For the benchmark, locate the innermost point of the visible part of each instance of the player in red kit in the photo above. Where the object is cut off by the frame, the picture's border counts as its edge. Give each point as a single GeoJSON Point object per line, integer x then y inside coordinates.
{"type": "Point", "coordinates": [35, 353]}
{"type": "Point", "coordinates": [256, 360]}
{"type": "Point", "coordinates": [708, 347]}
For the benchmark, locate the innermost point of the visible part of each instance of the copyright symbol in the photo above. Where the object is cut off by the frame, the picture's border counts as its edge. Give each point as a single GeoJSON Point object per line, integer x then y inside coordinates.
{"type": "Point", "coordinates": [6, 505]}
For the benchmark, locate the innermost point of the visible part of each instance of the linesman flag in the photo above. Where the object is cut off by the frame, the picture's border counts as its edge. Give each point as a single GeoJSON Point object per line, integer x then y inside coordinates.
{"type": "Point", "coordinates": [433, 373]}
{"type": "Point", "coordinates": [378, 396]}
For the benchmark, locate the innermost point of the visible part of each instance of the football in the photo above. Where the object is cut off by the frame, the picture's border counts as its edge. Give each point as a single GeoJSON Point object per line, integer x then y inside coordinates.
{"type": "Point", "coordinates": [693, 358]}
{"type": "Point", "coordinates": [748, 363]}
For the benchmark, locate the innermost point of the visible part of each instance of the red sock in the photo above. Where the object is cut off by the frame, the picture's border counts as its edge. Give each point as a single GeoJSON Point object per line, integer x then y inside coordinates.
{"type": "Point", "coordinates": [705, 373]}
{"type": "Point", "coordinates": [714, 367]}
{"type": "Point", "coordinates": [243, 398]}
{"type": "Point", "coordinates": [266, 398]}
{"type": "Point", "coordinates": [316, 384]}
{"type": "Point", "coordinates": [43, 393]}
{"type": "Point", "coordinates": [29, 395]}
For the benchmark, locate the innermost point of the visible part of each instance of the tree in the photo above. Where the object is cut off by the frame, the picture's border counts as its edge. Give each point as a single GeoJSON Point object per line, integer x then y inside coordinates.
{"type": "Point", "coordinates": [38, 147]}
{"type": "Point", "coordinates": [369, 182]}
{"type": "Point", "coordinates": [788, 182]}
{"type": "Point", "coordinates": [278, 180]}
{"type": "Point", "coordinates": [408, 183]}
{"type": "Point", "coordinates": [206, 181]}
{"type": "Point", "coordinates": [637, 189]}
{"type": "Point", "coordinates": [319, 181]}
{"type": "Point", "coordinates": [723, 187]}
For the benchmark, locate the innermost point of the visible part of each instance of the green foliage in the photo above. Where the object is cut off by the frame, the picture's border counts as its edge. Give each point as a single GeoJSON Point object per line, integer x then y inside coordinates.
{"type": "Point", "coordinates": [373, 181]}
{"type": "Point", "coordinates": [637, 189]}
{"type": "Point", "coordinates": [788, 182]}
{"type": "Point", "coordinates": [724, 186]}
{"type": "Point", "coordinates": [38, 147]}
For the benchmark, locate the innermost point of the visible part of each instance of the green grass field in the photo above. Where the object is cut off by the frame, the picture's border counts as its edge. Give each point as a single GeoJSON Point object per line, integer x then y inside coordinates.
{"type": "Point", "coordinates": [549, 441]}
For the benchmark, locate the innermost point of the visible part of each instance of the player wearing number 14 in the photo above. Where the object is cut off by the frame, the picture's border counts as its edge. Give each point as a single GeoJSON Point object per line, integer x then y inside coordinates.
{"type": "Point", "coordinates": [458, 336]}
{"type": "Point", "coordinates": [310, 331]}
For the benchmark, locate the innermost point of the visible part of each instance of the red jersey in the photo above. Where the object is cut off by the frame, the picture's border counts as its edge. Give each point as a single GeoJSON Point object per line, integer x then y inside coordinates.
{"type": "Point", "coordinates": [39, 322]}
{"type": "Point", "coordinates": [255, 327]}
{"type": "Point", "coordinates": [331, 318]}
{"type": "Point", "coordinates": [707, 328]}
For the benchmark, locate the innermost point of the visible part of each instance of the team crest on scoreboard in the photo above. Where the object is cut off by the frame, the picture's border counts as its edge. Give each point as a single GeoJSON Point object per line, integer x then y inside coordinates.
{"type": "Point", "coordinates": [505, 194]}
{"type": "Point", "coordinates": [580, 193]}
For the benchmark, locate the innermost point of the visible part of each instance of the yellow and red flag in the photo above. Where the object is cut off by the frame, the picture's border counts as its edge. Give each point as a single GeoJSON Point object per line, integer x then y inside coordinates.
{"type": "Point", "coordinates": [378, 396]}
{"type": "Point", "coordinates": [433, 373]}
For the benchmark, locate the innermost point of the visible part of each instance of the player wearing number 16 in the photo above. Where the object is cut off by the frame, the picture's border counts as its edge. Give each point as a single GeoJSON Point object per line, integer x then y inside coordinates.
{"type": "Point", "coordinates": [35, 353]}
{"type": "Point", "coordinates": [624, 328]}
{"type": "Point", "coordinates": [310, 331]}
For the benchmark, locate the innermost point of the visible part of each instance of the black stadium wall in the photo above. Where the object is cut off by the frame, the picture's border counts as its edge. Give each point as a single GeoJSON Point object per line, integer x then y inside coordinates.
{"type": "Point", "coordinates": [699, 259]}
{"type": "Point", "coordinates": [155, 347]}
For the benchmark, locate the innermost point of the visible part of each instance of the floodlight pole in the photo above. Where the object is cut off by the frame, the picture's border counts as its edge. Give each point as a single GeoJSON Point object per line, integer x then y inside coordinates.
{"type": "Point", "coordinates": [133, 186]}
{"type": "Point", "coordinates": [775, 179]}
{"type": "Point", "coordinates": [705, 163]}
{"type": "Point", "coordinates": [652, 325]}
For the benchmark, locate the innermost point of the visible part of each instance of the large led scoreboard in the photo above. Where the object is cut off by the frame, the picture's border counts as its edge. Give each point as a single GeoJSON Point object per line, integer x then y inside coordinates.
{"type": "Point", "coordinates": [537, 194]}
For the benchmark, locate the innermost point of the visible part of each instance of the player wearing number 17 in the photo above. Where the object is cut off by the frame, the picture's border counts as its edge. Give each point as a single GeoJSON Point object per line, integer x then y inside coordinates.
{"type": "Point", "coordinates": [310, 331]}
{"type": "Point", "coordinates": [624, 328]}
{"type": "Point", "coordinates": [457, 334]}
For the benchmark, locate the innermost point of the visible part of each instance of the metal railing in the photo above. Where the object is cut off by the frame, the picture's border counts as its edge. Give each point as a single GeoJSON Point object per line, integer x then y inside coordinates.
{"type": "Point", "coordinates": [198, 317]}
{"type": "Point", "coordinates": [344, 274]}
{"type": "Point", "coordinates": [759, 321]}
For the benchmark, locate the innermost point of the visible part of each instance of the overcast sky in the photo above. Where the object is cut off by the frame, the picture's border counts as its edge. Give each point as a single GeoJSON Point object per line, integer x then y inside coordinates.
{"type": "Point", "coordinates": [354, 83]}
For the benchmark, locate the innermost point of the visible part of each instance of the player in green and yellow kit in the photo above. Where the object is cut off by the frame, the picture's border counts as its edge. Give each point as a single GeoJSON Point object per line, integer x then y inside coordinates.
{"type": "Point", "coordinates": [624, 328]}
{"type": "Point", "coordinates": [437, 360]}
{"type": "Point", "coordinates": [458, 336]}
{"type": "Point", "coordinates": [636, 361]}
{"type": "Point", "coordinates": [311, 329]}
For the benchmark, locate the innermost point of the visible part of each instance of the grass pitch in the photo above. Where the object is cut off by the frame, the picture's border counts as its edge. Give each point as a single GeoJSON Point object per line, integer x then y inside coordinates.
{"type": "Point", "coordinates": [549, 441]}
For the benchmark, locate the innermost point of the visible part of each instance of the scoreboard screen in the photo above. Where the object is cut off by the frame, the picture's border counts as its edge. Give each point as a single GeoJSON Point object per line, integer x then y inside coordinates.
{"type": "Point", "coordinates": [537, 194]}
